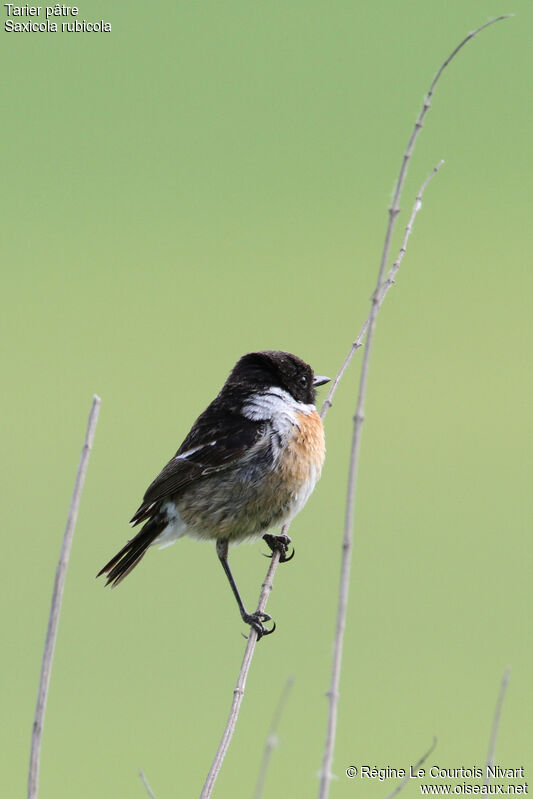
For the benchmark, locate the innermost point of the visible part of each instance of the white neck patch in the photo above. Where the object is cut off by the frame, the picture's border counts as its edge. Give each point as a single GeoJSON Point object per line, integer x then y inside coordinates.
{"type": "Point", "coordinates": [275, 405]}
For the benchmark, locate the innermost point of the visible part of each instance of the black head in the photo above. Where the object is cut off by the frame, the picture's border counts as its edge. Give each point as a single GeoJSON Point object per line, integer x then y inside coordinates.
{"type": "Point", "coordinates": [259, 370]}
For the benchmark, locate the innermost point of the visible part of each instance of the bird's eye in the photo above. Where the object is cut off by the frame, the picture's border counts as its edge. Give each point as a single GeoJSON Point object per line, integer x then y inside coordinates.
{"type": "Point", "coordinates": [304, 381]}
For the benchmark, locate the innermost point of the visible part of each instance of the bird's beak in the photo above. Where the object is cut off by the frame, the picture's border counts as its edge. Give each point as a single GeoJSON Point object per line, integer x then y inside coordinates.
{"type": "Point", "coordinates": [320, 380]}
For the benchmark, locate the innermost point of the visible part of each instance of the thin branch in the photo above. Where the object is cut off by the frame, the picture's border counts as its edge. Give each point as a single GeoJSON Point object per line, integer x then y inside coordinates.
{"type": "Point", "coordinates": [146, 784]}
{"type": "Point", "coordinates": [395, 209]}
{"type": "Point", "coordinates": [387, 283]}
{"type": "Point", "coordinates": [417, 765]}
{"type": "Point", "coordinates": [55, 608]}
{"type": "Point", "coordinates": [238, 693]}
{"type": "Point", "coordinates": [496, 722]}
{"type": "Point", "coordinates": [272, 738]}
{"type": "Point", "coordinates": [333, 693]}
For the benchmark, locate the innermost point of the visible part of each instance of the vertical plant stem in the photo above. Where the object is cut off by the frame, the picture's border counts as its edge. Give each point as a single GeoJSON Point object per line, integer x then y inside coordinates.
{"type": "Point", "coordinates": [272, 739]}
{"type": "Point", "coordinates": [238, 693]}
{"type": "Point", "coordinates": [146, 784]}
{"type": "Point", "coordinates": [347, 544]}
{"type": "Point", "coordinates": [333, 693]}
{"type": "Point", "coordinates": [55, 608]}
{"type": "Point", "coordinates": [496, 723]}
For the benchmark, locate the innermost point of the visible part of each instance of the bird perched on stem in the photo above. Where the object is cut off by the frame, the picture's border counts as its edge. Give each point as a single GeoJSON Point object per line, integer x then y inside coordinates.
{"type": "Point", "coordinates": [248, 464]}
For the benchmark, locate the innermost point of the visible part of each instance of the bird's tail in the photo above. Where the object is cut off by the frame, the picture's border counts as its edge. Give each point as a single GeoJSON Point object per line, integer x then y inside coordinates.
{"type": "Point", "coordinates": [130, 555]}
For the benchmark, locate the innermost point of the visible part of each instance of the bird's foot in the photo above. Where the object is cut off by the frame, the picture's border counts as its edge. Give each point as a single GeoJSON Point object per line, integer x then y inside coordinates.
{"type": "Point", "coordinates": [255, 620]}
{"type": "Point", "coordinates": [279, 543]}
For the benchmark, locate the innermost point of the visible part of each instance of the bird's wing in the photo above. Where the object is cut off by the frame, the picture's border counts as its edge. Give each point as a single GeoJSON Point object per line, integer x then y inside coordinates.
{"type": "Point", "coordinates": [208, 448]}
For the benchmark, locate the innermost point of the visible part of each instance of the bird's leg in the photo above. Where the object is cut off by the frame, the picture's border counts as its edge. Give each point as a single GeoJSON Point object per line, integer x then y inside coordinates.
{"type": "Point", "coordinates": [256, 619]}
{"type": "Point", "coordinates": [279, 543]}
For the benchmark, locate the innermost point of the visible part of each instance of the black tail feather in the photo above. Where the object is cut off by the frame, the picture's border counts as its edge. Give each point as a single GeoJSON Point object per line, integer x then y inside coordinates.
{"type": "Point", "coordinates": [129, 556]}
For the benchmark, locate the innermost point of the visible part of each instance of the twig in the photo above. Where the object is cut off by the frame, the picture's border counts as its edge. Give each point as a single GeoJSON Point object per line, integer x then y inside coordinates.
{"type": "Point", "coordinates": [55, 608]}
{"type": "Point", "coordinates": [272, 739]}
{"type": "Point", "coordinates": [238, 693]}
{"type": "Point", "coordinates": [356, 437]}
{"type": "Point", "coordinates": [146, 784]}
{"type": "Point", "coordinates": [496, 722]}
{"type": "Point", "coordinates": [394, 209]}
{"type": "Point", "coordinates": [333, 692]}
{"type": "Point", "coordinates": [387, 283]}
{"type": "Point", "coordinates": [417, 765]}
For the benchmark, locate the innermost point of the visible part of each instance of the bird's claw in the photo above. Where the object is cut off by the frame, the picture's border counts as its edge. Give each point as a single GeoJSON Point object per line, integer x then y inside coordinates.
{"type": "Point", "coordinates": [255, 620]}
{"type": "Point", "coordinates": [279, 543]}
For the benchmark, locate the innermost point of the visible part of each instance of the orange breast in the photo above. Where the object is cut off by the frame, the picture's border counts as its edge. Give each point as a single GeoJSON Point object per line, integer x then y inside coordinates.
{"type": "Point", "coordinates": [305, 451]}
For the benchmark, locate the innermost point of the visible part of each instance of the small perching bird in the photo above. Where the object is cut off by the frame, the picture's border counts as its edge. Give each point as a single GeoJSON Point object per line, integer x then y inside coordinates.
{"type": "Point", "coordinates": [249, 463]}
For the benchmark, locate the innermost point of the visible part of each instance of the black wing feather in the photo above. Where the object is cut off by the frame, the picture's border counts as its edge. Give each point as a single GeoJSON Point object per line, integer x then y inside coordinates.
{"type": "Point", "coordinates": [215, 442]}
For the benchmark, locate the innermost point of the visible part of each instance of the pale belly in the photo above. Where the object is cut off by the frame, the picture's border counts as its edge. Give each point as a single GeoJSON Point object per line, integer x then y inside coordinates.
{"type": "Point", "coordinates": [246, 502]}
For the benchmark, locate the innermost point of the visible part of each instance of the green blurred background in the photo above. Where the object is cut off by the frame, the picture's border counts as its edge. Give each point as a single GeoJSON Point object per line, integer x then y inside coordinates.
{"type": "Point", "coordinates": [212, 178]}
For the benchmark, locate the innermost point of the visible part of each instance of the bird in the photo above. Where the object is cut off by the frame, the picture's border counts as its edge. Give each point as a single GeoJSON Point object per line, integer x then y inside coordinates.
{"type": "Point", "coordinates": [249, 464]}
